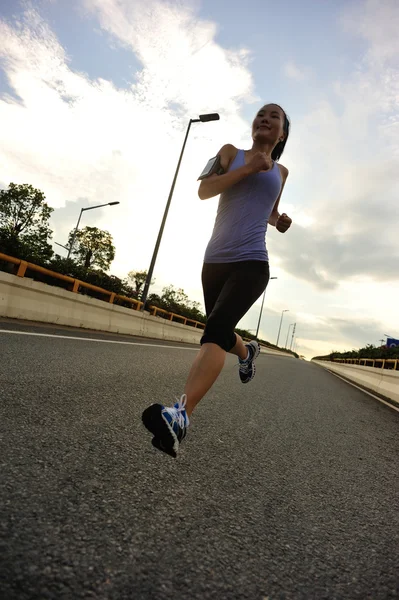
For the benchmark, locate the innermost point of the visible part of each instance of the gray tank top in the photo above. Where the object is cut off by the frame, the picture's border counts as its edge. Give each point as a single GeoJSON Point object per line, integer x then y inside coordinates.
{"type": "Point", "coordinates": [243, 212]}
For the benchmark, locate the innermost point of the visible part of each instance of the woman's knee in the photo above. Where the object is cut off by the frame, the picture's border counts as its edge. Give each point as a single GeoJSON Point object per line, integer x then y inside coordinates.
{"type": "Point", "coordinates": [225, 338]}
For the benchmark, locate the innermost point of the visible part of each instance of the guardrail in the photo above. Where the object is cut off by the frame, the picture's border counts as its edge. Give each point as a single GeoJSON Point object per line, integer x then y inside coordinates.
{"type": "Point", "coordinates": [383, 382]}
{"type": "Point", "coordinates": [378, 363]}
{"type": "Point", "coordinates": [155, 309]}
{"type": "Point", "coordinates": [76, 284]}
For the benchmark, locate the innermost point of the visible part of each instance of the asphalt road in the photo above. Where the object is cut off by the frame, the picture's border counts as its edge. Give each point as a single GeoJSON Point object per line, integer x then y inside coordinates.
{"type": "Point", "coordinates": [286, 488]}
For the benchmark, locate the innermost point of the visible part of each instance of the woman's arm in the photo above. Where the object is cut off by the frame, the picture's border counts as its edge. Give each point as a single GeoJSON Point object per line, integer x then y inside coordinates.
{"type": "Point", "coordinates": [216, 184]}
{"type": "Point", "coordinates": [274, 217]}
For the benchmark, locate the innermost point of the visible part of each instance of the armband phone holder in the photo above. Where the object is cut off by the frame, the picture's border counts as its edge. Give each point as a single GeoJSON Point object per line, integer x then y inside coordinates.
{"type": "Point", "coordinates": [213, 166]}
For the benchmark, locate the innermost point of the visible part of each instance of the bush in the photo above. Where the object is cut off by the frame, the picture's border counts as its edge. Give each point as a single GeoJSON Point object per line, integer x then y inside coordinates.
{"type": "Point", "coordinates": [176, 301]}
{"type": "Point", "coordinates": [19, 247]}
{"type": "Point", "coordinates": [64, 266]}
{"type": "Point", "coordinates": [95, 277]}
{"type": "Point", "coordinates": [369, 351]}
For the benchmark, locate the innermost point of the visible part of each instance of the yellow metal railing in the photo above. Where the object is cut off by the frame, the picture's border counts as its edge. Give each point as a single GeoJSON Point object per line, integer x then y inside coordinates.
{"type": "Point", "coordinates": [378, 363]}
{"type": "Point", "coordinates": [76, 284]}
{"type": "Point", "coordinates": [154, 310]}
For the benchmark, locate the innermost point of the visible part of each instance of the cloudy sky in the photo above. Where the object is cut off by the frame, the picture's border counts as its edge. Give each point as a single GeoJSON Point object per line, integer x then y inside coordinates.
{"type": "Point", "coordinates": [95, 96]}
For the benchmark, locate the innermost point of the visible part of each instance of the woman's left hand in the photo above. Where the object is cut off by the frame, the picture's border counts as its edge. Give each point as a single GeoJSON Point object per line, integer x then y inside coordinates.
{"type": "Point", "coordinates": [283, 223]}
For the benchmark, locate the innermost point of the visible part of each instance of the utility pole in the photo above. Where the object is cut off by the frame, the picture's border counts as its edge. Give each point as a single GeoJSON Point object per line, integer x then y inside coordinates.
{"type": "Point", "coordinates": [293, 333]}
{"type": "Point", "coordinates": [288, 333]}
{"type": "Point", "coordinates": [281, 320]}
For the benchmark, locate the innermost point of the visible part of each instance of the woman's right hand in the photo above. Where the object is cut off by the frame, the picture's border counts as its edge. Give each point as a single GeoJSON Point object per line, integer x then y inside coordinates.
{"type": "Point", "coordinates": [260, 162]}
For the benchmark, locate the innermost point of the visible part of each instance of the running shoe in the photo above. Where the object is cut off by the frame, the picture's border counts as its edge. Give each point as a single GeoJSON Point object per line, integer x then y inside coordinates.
{"type": "Point", "coordinates": [247, 367]}
{"type": "Point", "coordinates": [167, 424]}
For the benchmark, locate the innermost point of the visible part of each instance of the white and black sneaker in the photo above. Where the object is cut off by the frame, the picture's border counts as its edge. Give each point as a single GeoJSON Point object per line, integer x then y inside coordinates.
{"type": "Point", "coordinates": [167, 424]}
{"type": "Point", "coordinates": [247, 367]}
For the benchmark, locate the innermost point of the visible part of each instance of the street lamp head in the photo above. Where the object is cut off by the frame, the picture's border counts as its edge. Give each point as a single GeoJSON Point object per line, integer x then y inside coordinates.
{"type": "Point", "coordinates": [113, 203]}
{"type": "Point", "coordinates": [273, 277]}
{"type": "Point", "coordinates": [209, 117]}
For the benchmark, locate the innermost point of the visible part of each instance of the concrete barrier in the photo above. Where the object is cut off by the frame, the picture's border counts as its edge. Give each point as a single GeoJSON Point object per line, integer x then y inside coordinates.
{"type": "Point", "coordinates": [382, 381]}
{"type": "Point", "coordinates": [265, 350]}
{"type": "Point", "coordinates": [23, 298]}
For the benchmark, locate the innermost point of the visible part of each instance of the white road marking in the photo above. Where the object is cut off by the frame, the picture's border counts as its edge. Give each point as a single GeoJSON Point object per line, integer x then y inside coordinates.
{"type": "Point", "coordinates": [85, 339]}
{"type": "Point", "coordinates": [365, 391]}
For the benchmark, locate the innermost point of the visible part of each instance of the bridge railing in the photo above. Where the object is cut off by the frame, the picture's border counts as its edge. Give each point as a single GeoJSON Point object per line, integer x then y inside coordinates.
{"type": "Point", "coordinates": [378, 363]}
{"type": "Point", "coordinates": [76, 285]}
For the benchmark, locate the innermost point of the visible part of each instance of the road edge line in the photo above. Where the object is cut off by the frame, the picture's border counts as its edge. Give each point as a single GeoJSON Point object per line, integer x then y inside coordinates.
{"type": "Point", "coordinates": [363, 390]}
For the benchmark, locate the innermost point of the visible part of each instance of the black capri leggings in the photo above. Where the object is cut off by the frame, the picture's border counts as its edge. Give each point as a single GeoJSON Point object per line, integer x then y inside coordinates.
{"type": "Point", "coordinates": [230, 289]}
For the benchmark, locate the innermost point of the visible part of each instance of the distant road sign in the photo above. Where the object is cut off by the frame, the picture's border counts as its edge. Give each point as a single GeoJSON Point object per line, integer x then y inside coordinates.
{"type": "Point", "coordinates": [392, 343]}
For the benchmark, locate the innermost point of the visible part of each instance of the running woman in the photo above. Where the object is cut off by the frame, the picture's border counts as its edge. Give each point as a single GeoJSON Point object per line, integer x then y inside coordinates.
{"type": "Point", "coordinates": [236, 266]}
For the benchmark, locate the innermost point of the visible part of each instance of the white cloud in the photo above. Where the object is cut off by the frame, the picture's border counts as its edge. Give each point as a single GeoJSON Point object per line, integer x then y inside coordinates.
{"type": "Point", "coordinates": [345, 162]}
{"type": "Point", "coordinates": [86, 141]}
{"type": "Point", "coordinates": [292, 71]}
{"type": "Point", "coordinates": [378, 23]}
{"type": "Point", "coordinates": [182, 63]}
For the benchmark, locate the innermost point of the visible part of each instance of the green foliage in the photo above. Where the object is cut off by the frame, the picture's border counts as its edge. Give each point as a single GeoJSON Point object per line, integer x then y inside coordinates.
{"type": "Point", "coordinates": [138, 279]}
{"type": "Point", "coordinates": [94, 276]}
{"type": "Point", "coordinates": [24, 226]}
{"type": "Point", "coordinates": [93, 247]}
{"type": "Point", "coordinates": [249, 335]}
{"type": "Point", "coordinates": [369, 351]}
{"type": "Point", "coordinates": [177, 301]}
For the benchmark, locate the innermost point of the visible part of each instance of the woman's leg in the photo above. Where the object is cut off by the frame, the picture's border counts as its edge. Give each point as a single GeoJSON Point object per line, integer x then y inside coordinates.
{"type": "Point", "coordinates": [232, 291]}
{"type": "Point", "coordinates": [206, 368]}
{"type": "Point", "coordinates": [240, 287]}
{"type": "Point", "coordinates": [204, 371]}
{"type": "Point", "coordinates": [209, 361]}
{"type": "Point", "coordinates": [240, 348]}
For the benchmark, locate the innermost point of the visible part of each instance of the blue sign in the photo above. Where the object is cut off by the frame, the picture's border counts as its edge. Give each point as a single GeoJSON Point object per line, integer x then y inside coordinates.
{"type": "Point", "coordinates": [392, 343]}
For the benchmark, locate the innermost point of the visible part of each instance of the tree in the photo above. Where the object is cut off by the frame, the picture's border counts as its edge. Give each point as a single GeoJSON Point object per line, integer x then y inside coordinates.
{"type": "Point", "coordinates": [175, 298]}
{"type": "Point", "coordinates": [93, 247]}
{"type": "Point", "coordinates": [138, 279]}
{"type": "Point", "coordinates": [24, 227]}
{"type": "Point", "coordinates": [177, 301]}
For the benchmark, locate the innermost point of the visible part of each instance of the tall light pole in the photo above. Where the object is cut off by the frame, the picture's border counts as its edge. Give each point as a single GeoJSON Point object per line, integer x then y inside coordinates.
{"type": "Point", "coordinates": [293, 333]}
{"type": "Point", "coordinates": [202, 119]}
{"type": "Point", "coordinates": [261, 310]}
{"type": "Point", "coordinates": [288, 333]}
{"type": "Point", "coordinates": [80, 216]}
{"type": "Point", "coordinates": [62, 245]}
{"type": "Point", "coordinates": [281, 320]}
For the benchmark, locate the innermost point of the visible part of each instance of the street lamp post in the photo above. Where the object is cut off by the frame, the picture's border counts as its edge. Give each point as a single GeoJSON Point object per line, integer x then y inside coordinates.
{"type": "Point", "coordinates": [261, 310]}
{"type": "Point", "coordinates": [202, 119]}
{"type": "Point", "coordinates": [80, 216]}
{"type": "Point", "coordinates": [288, 333]}
{"type": "Point", "coordinates": [62, 245]}
{"type": "Point", "coordinates": [293, 334]}
{"type": "Point", "coordinates": [281, 320]}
